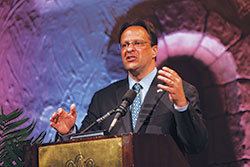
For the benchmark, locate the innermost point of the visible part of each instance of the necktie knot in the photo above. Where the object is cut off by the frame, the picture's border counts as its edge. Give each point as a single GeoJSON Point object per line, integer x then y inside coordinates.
{"type": "Point", "coordinates": [137, 87]}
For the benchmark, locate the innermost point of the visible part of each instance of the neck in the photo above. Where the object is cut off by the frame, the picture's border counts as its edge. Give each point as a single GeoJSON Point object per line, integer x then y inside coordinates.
{"type": "Point", "coordinates": [138, 76]}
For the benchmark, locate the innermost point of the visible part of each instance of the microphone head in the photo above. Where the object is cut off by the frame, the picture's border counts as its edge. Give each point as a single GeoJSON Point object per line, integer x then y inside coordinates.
{"type": "Point", "coordinates": [129, 96]}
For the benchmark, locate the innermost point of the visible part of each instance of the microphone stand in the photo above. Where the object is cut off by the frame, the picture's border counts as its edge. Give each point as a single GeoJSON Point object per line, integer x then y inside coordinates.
{"type": "Point", "coordinates": [99, 120]}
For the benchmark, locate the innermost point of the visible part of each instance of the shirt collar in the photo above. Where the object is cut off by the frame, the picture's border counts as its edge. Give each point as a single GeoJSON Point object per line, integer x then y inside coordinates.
{"type": "Point", "coordinates": [145, 82]}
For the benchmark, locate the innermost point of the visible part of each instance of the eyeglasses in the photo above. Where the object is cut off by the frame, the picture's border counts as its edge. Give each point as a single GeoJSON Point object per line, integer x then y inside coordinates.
{"type": "Point", "coordinates": [136, 44]}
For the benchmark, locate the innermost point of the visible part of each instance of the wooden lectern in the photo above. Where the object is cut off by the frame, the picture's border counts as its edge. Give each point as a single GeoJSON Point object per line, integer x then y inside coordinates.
{"type": "Point", "coordinates": [127, 150]}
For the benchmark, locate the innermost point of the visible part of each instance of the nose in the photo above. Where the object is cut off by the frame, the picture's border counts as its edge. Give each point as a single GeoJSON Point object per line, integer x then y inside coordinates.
{"type": "Point", "coordinates": [130, 47]}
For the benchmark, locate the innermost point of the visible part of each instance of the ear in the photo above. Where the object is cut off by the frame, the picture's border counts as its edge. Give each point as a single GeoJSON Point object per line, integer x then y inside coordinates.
{"type": "Point", "coordinates": [154, 51]}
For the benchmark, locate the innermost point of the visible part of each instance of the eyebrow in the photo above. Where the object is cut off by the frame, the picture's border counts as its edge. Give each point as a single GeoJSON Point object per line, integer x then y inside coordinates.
{"type": "Point", "coordinates": [136, 40]}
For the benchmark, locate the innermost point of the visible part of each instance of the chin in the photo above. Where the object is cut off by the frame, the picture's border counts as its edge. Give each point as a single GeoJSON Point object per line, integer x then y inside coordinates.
{"type": "Point", "coordinates": [131, 68]}
{"type": "Point", "coordinates": [131, 65]}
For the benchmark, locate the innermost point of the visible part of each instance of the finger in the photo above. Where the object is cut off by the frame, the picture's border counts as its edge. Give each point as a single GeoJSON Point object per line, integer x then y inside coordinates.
{"type": "Point", "coordinates": [167, 69]}
{"type": "Point", "coordinates": [169, 75]}
{"type": "Point", "coordinates": [60, 111]}
{"type": "Point", "coordinates": [166, 88]}
{"type": "Point", "coordinates": [169, 82]}
{"type": "Point", "coordinates": [54, 117]}
{"type": "Point", "coordinates": [53, 125]}
{"type": "Point", "coordinates": [171, 97]}
{"type": "Point", "coordinates": [164, 73]}
{"type": "Point", "coordinates": [73, 109]}
{"type": "Point", "coordinates": [171, 71]}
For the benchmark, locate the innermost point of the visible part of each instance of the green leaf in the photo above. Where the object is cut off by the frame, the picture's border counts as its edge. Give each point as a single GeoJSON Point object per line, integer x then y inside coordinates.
{"type": "Point", "coordinates": [8, 139]}
{"type": "Point", "coordinates": [2, 113]}
{"type": "Point", "coordinates": [14, 125]}
{"type": "Point", "coordinates": [29, 131]}
{"type": "Point", "coordinates": [7, 162]}
{"type": "Point", "coordinates": [17, 149]}
{"type": "Point", "coordinates": [11, 153]}
{"type": "Point", "coordinates": [13, 115]}
{"type": "Point", "coordinates": [40, 138]}
{"type": "Point", "coordinates": [18, 132]}
{"type": "Point", "coordinates": [1, 129]}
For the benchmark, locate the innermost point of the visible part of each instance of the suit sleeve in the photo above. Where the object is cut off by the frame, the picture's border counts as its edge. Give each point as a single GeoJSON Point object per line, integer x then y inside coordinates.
{"type": "Point", "coordinates": [191, 128]}
{"type": "Point", "coordinates": [92, 114]}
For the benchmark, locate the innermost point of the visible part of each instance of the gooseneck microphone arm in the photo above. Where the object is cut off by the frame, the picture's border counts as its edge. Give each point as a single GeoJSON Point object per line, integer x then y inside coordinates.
{"type": "Point", "coordinates": [99, 120]}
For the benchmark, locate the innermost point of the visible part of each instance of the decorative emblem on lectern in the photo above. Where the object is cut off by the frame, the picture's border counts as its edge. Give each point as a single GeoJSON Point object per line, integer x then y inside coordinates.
{"type": "Point", "coordinates": [80, 161]}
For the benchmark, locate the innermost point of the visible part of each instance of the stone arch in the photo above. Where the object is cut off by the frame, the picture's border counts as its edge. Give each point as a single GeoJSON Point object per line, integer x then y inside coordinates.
{"type": "Point", "coordinates": [204, 48]}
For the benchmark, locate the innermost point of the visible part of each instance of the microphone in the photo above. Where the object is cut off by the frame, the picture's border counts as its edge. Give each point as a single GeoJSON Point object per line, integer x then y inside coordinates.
{"type": "Point", "coordinates": [121, 110]}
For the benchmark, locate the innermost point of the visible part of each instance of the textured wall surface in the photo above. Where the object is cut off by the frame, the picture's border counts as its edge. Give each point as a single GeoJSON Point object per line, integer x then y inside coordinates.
{"type": "Point", "coordinates": [55, 53]}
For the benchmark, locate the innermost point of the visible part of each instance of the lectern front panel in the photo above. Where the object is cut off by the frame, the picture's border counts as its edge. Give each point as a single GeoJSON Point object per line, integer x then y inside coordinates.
{"type": "Point", "coordinates": [96, 153]}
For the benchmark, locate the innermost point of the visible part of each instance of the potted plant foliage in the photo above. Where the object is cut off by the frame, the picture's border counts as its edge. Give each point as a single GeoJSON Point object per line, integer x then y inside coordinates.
{"type": "Point", "coordinates": [13, 137]}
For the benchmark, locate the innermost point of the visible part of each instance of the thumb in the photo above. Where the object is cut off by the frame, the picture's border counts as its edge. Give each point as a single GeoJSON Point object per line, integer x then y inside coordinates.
{"type": "Point", "coordinates": [73, 110]}
{"type": "Point", "coordinates": [171, 98]}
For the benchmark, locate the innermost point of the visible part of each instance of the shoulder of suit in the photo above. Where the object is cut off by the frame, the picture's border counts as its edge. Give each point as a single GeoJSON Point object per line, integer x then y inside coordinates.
{"type": "Point", "coordinates": [187, 84]}
{"type": "Point", "coordinates": [113, 86]}
{"type": "Point", "coordinates": [189, 88]}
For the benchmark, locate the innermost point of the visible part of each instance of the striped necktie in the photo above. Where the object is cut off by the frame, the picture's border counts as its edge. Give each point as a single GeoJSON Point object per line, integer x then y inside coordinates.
{"type": "Point", "coordinates": [136, 106]}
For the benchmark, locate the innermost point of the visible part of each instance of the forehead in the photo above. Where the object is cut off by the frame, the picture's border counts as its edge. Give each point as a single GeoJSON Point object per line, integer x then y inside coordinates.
{"type": "Point", "coordinates": [134, 33]}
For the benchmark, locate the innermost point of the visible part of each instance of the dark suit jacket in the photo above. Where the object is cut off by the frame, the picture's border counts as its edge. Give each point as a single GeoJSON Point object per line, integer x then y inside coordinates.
{"type": "Point", "coordinates": [157, 115]}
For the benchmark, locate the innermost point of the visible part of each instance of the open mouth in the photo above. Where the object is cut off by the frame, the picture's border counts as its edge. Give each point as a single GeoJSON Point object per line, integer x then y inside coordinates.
{"type": "Point", "coordinates": [131, 58]}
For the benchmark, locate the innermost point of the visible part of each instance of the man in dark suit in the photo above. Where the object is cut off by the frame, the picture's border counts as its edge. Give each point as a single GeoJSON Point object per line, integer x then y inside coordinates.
{"type": "Point", "coordinates": [165, 103]}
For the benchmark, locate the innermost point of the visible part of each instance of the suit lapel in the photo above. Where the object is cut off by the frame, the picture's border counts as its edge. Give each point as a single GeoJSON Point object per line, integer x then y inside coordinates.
{"type": "Point", "coordinates": [151, 99]}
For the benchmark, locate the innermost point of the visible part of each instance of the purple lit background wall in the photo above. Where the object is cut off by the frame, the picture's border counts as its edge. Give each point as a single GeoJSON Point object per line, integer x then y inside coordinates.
{"type": "Point", "coordinates": [55, 53]}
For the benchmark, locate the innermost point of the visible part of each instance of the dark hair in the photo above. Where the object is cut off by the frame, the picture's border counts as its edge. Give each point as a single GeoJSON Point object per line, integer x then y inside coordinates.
{"type": "Point", "coordinates": [148, 26]}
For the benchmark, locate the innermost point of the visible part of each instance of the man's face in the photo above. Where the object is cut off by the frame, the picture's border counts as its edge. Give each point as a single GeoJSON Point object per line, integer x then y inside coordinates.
{"type": "Point", "coordinates": [137, 54]}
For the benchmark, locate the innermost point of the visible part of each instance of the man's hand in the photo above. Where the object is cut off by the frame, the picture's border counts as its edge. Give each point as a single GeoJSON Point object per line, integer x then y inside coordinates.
{"type": "Point", "coordinates": [63, 121]}
{"type": "Point", "coordinates": [174, 86]}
